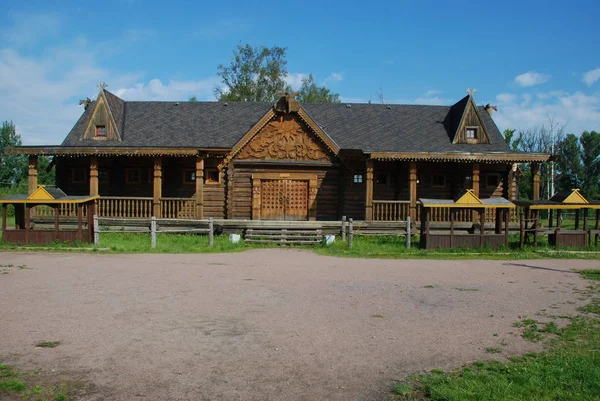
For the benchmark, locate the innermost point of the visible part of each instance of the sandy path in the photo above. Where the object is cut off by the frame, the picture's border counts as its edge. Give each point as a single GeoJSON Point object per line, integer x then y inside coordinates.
{"type": "Point", "coordinates": [266, 324]}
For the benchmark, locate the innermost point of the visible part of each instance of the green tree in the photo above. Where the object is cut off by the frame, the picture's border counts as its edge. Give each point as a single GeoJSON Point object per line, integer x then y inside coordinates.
{"type": "Point", "coordinates": [569, 169]}
{"type": "Point", "coordinates": [512, 141]}
{"type": "Point", "coordinates": [193, 99]}
{"type": "Point", "coordinates": [590, 157]}
{"type": "Point", "coordinates": [256, 74]}
{"type": "Point", "coordinates": [13, 168]}
{"type": "Point", "coordinates": [311, 93]}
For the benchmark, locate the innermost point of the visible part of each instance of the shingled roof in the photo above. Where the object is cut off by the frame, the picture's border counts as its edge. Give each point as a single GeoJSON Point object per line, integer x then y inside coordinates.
{"type": "Point", "coordinates": [368, 127]}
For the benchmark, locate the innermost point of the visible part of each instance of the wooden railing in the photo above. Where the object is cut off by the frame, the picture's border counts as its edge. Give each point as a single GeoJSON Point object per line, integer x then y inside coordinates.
{"type": "Point", "coordinates": [118, 206]}
{"type": "Point", "coordinates": [178, 208]}
{"type": "Point", "coordinates": [66, 210]}
{"type": "Point", "coordinates": [385, 210]}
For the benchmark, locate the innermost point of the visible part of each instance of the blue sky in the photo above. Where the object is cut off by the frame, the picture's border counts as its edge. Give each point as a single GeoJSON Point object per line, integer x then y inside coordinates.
{"type": "Point", "coordinates": [536, 60]}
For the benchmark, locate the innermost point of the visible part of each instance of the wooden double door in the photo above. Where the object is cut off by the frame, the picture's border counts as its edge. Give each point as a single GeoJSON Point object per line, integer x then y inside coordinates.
{"type": "Point", "coordinates": [284, 196]}
{"type": "Point", "coordinates": [284, 200]}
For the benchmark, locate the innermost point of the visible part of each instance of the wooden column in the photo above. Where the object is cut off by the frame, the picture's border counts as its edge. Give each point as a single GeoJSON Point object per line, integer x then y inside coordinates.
{"type": "Point", "coordinates": [32, 176]}
{"type": "Point", "coordinates": [412, 189]}
{"type": "Point", "coordinates": [93, 175]}
{"type": "Point", "coordinates": [157, 194]}
{"type": "Point", "coordinates": [369, 191]}
{"type": "Point", "coordinates": [200, 188]}
{"type": "Point", "coordinates": [506, 225]}
{"type": "Point", "coordinates": [56, 220]}
{"type": "Point", "coordinates": [512, 190]}
{"type": "Point", "coordinates": [313, 189]}
{"type": "Point", "coordinates": [475, 182]}
{"type": "Point", "coordinates": [535, 181]}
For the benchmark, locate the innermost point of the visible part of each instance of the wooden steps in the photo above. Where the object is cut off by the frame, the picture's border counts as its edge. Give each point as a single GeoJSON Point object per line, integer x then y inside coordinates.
{"type": "Point", "coordinates": [283, 236]}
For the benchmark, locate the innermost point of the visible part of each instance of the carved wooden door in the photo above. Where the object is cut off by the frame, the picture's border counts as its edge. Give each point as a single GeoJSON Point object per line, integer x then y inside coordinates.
{"type": "Point", "coordinates": [284, 200]}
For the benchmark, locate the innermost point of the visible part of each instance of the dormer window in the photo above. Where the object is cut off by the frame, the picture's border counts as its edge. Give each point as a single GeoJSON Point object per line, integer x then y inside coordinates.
{"type": "Point", "coordinates": [471, 133]}
{"type": "Point", "coordinates": [101, 131]}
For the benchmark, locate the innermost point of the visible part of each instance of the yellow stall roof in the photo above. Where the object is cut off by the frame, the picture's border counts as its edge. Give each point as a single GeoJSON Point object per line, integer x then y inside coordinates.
{"type": "Point", "coordinates": [468, 200]}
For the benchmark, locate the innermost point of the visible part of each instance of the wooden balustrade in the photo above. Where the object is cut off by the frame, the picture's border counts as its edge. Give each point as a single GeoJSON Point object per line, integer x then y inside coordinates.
{"type": "Point", "coordinates": [65, 210]}
{"type": "Point", "coordinates": [178, 208]}
{"type": "Point", "coordinates": [390, 210]}
{"type": "Point", "coordinates": [399, 210]}
{"type": "Point", "coordinates": [117, 206]}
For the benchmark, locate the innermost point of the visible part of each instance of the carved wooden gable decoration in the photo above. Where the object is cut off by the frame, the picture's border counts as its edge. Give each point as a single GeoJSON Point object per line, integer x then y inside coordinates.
{"type": "Point", "coordinates": [285, 138]}
{"type": "Point", "coordinates": [101, 125]}
{"type": "Point", "coordinates": [471, 128]}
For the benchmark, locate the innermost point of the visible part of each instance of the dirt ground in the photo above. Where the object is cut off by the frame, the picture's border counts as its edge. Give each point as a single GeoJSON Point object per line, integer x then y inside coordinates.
{"type": "Point", "coordinates": [268, 324]}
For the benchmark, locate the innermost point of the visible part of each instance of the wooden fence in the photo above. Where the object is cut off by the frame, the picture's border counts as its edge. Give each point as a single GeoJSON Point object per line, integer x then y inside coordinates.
{"type": "Point", "coordinates": [153, 226]}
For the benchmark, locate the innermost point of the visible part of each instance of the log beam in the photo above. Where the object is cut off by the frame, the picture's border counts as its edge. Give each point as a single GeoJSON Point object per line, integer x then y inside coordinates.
{"type": "Point", "coordinates": [157, 192]}
{"type": "Point", "coordinates": [32, 174]}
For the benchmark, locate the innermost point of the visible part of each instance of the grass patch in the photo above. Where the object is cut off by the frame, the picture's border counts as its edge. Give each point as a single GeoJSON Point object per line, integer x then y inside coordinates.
{"type": "Point", "coordinates": [492, 350]}
{"type": "Point", "coordinates": [570, 371]}
{"type": "Point", "coordinates": [590, 274]}
{"type": "Point", "coordinates": [466, 289]}
{"type": "Point", "coordinates": [48, 344]}
{"type": "Point", "coordinates": [377, 316]}
{"type": "Point", "coordinates": [392, 247]}
{"type": "Point", "coordinates": [428, 286]}
{"type": "Point", "coordinates": [34, 386]}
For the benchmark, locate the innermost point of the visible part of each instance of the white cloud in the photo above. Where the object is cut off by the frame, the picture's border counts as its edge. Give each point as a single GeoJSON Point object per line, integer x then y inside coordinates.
{"type": "Point", "coordinates": [333, 77]}
{"type": "Point", "coordinates": [40, 93]}
{"type": "Point", "coordinates": [294, 79]}
{"type": "Point", "coordinates": [531, 78]}
{"type": "Point", "coordinates": [432, 92]}
{"type": "Point", "coordinates": [591, 77]}
{"type": "Point", "coordinates": [431, 98]}
{"type": "Point", "coordinates": [579, 111]}
{"type": "Point", "coordinates": [174, 90]}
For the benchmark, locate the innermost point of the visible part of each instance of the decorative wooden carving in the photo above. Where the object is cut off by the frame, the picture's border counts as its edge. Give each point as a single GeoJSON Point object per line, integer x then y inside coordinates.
{"type": "Point", "coordinates": [284, 139]}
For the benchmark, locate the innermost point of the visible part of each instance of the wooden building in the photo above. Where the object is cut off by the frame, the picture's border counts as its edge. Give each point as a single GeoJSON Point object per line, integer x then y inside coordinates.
{"type": "Point", "coordinates": [287, 161]}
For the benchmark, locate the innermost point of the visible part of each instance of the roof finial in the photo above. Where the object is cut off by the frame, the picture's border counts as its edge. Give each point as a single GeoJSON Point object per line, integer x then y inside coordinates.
{"type": "Point", "coordinates": [102, 86]}
{"type": "Point", "coordinates": [470, 91]}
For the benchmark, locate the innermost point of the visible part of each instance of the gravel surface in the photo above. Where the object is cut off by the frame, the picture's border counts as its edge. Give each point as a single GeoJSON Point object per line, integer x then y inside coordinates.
{"type": "Point", "coordinates": [269, 324]}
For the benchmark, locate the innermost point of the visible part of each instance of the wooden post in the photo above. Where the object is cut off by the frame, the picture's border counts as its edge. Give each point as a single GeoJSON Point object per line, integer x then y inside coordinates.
{"type": "Point", "coordinates": [93, 175]}
{"type": "Point", "coordinates": [535, 181]}
{"type": "Point", "coordinates": [498, 226]}
{"type": "Point", "coordinates": [157, 193]}
{"type": "Point", "coordinates": [512, 191]}
{"type": "Point", "coordinates": [27, 222]}
{"type": "Point", "coordinates": [80, 222]}
{"type": "Point", "coordinates": [96, 231]}
{"type": "Point", "coordinates": [210, 232]}
{"type": "Point", "coordinates": [585, 225]}
{"type": "Point", "coordinates": [343, 228]}
{"type": "Point", "coordinates": [350, 232]}
{"type": "Point", "coordinates": [521, 230]}
{"type": "Point", "coordinates": [482, 227]}
{"type": "Point", "coordinates": [56, 219]}
{"type": "Point", "coordinates": [536, 225]}
{"type": "Point", "coordinates": [596, 226]}
{"type": "Point", "coordinates": [369, 191]}
{"type": "Point", "coordinates": [452, 215]}
{"type": "Point", "coordinates": [32, 174]}
{"type": "Point", "coordinates": [408, 232]}
{"type": "Point", "coordinates": [550, 218]}
{"type": "Point", "coordinates": [412, 189]}
{"type": "Point", "coordinates": [199, 188]}
{"type": "Point", "coordinates": [506, 225]}
{"type": "Point", "coordinates": [153, 231]}
{"type": "Point", "coordinates": [4, 207]}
